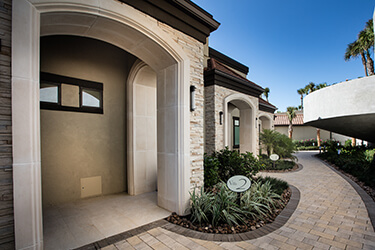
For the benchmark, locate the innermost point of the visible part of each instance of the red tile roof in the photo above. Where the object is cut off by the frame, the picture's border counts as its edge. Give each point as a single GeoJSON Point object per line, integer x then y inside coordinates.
{"type": "Point", "coordinates": [282, 119]}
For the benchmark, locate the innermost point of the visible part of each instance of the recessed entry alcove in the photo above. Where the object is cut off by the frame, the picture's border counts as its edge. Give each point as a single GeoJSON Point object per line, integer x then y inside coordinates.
{"type": "Point", "coordinates": [83, 154]}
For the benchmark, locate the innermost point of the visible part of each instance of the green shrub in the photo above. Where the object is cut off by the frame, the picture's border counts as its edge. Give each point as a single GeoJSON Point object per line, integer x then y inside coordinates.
{"type": "Point", "coordinates": [369, 155]}
{"type": "Point", "coordinates": [211, 171]}
{"type": "Point", "coordinates": [223, 164]}
{"type": "Point", "coordinates": [277, 143]}
{"type": "Point", "coordinates": [307, 148]}
{"type": "Point", "coordinates": [267, 163]}
{"type": "Point", "coordinates": [277, 185]}
{"type": "Point", "coordinates": [356, 161]}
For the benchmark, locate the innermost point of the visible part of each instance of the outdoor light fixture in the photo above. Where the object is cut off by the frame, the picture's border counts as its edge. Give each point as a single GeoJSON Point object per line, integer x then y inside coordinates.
{"type": "Point", "coordinates": [192, 97]}
{"type": "Point", "coordinates": [221, 117]}
{"type": "Point", "coordinates": [256, 119]}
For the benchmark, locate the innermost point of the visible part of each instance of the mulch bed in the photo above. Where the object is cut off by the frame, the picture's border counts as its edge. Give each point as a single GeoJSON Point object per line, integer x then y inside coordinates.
{"type": "Point", "coordinates": [369, 190]}
{"type": "Point", "coordinates": [250, 225]}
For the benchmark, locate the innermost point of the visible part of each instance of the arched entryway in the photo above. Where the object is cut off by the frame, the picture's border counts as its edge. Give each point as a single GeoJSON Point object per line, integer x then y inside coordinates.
{"type": "Point", "coordinates": [240, 123]}
{"type": "Point", "coordinates": [265, 122]}
{"type": "Point", "coordinates": [134, 33]}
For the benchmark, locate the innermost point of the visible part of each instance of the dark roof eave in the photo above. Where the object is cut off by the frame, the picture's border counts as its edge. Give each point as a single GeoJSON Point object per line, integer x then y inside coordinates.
{"type": "Point", "coordinates": [182, 15]}
{"type": "Point", "coordinates": [200, 13]}
{"type": "Point", "coordinates": [217, 77]}
{"type": "Point", "coordinates": [267, 108]}
{"type": "Point", "coordinates": [213, 53]}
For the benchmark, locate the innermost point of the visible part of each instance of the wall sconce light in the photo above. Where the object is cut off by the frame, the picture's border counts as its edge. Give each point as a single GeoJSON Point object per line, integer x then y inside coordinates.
{"type": "Point", "coordinates": [221, 114]}
{"type": "Point", "coordinates": [192, 97]}
{"type": "Point", "coordinates": [256, 122]}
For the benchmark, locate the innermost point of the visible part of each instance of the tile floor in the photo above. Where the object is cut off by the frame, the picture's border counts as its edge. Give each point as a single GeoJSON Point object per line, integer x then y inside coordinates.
{"type": "Point", "coordinates": [78, 223]}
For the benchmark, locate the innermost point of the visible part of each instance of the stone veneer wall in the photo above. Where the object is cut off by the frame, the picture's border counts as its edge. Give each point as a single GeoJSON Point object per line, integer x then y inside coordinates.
{"type": "Point", "coordinates": [194, 49]}
{"type": "Point", "coordinates": [214, 103]}
{"type": "Point", "coordinates": [6, 177]}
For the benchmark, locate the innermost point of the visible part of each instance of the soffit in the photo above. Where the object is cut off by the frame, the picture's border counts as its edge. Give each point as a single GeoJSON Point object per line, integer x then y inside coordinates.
{"type": "Point", "coordinates": [183, 15]}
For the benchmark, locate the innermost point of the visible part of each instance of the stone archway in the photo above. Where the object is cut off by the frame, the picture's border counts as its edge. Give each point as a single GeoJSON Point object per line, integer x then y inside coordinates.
{"type": "Point", "coordinates": [133, 32]}
{"type": "Point", "coordinates": [248, 123]}
{"type": "Point", "coordinates": [265, 122]}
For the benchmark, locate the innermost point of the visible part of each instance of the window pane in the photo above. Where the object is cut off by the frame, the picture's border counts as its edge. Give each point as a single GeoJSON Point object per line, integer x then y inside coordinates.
{"type": "Point", "coordinates": [49, 93]}
{"type": "Point", "coordinates": [236, 136]}
{"type": "Point", "coordinates": [91, 98]}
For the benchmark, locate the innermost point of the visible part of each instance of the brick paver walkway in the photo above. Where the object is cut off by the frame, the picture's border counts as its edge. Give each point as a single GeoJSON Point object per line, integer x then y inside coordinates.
{"type": "Point", "coordinates": [330, 215]}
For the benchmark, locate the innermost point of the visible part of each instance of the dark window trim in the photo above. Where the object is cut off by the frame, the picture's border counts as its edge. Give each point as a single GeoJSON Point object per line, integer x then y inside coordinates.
{"type": "Point", "coordinates": [57, 80]}
{"type": "Point", "coordinates": [234, 138]}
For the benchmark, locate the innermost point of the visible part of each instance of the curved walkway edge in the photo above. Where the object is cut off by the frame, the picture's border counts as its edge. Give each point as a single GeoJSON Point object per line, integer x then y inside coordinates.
{"type": "Point", "coordinates": [369, 203]}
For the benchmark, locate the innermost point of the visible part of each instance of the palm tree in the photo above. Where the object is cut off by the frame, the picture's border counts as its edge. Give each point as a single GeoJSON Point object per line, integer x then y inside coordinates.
{"type": "Point", "coordinates": [291, 112]}
{"type": "Point", "coordinates": [301, 92]}
{"type": "Point", "coordinates": [268, 139]}
{"type": "Point", "coordinates": [353, 50]}
{"type": "Point", "coordinates": [362, 46]}
{"type": "Point", "coordinates": [310, 88]}
{"type": "Point", "coordinates": [321, 85]}
{"type": "Point", "coordinates": [266, 92]}
{"type": "Point", "coordinates": [318, 136]}
{"type": "Point", "coordinates": [366, 40]}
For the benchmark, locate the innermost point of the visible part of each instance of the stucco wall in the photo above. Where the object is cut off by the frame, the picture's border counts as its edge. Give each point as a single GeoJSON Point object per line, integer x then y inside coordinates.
{"type": "Point", "coordinates": [80, 145]}
{"type": "Point", "coordinates": [308, 132]}
{"type": "Point", "coordinates": [6, 177]}
{"type": "Point", "coordinates": [303, 132]}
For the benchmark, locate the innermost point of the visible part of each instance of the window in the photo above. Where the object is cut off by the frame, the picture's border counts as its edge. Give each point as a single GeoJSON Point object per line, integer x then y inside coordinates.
{"type": "Point", "coordinates": [91, 98]}
{"type": "Point", "coordinates": [236, 132]}
{"type": "Point", "coordinates": [70, 94]}
{"type": "Point", "coordinates": [49, 92]}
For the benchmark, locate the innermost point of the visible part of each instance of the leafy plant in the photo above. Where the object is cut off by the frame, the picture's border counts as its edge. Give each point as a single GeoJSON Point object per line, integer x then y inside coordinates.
{"type": "Point", "coordinates": [223, 164]}
{"type": "Point", "coordinates": [211, 171]}
{"type": "Point", "coordinates": [200, 206]}
{"type": "Point", "coordinates": [277, 143]}
{"type": "Point", "coordinates": [220, 205]}
{"type": "Point", "coordinates": [268, 164]}
{"type": "Point", "coordinates": [357, 161]}
{"type": "Point", "coordinates": [278, 186]}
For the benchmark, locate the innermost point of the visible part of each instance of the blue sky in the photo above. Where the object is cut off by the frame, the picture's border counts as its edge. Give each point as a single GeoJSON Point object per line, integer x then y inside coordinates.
{"type": "Point", "coordinates": [287, 44]}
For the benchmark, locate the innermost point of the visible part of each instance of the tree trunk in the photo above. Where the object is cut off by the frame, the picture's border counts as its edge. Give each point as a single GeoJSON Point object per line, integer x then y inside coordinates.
{"type": "Point", "coordinates": [370, 66]}
{"type": "Point", "coordinates": [301, 102]}
{"type": "Point", "coordinates": [290, 130]}
{"type": "Point", "coordinates": [353, 141]}
{"type": "Point", "coordinates": [318, 136]}
{"type": "Point", "coordinates": [364, 62]}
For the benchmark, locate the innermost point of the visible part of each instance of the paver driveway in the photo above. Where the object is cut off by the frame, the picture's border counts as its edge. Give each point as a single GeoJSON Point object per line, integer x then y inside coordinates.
{"type": "Point", "coordinates": [330, 215]}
